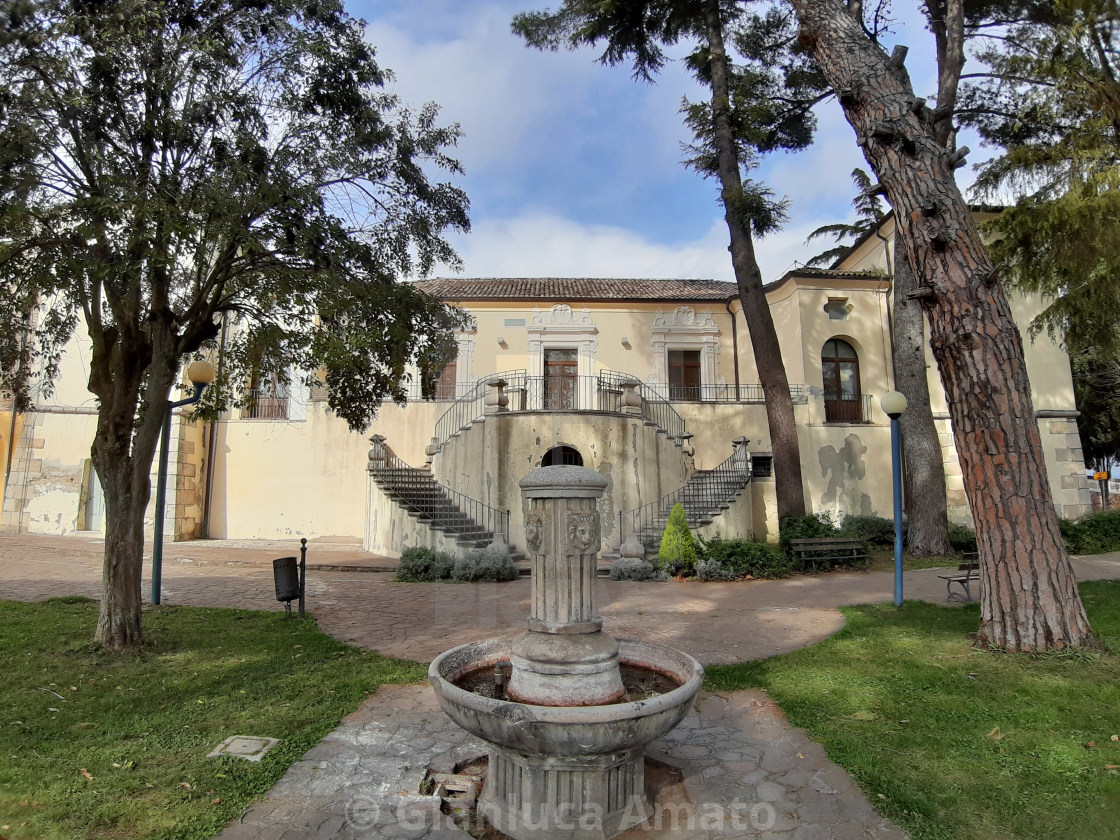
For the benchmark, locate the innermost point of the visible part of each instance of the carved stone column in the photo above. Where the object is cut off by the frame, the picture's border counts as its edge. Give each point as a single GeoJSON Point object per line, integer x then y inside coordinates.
{"type": "Point", "coordinates": [563, 659]}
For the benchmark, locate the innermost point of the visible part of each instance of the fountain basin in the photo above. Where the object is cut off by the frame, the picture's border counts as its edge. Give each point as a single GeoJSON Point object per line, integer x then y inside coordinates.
{"type": "Point", "coordinates": [566, 730]}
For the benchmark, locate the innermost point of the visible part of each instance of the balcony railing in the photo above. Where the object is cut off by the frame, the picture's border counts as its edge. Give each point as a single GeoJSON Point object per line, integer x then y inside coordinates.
{"type": "Point", "coordinates": [602, 392]}
{"type": "Point", "coordinates": [847, 408]}
{"type": "Point", "coordinates": [750, 394]}
{"type": "Point", "coordinates": [264, 404]}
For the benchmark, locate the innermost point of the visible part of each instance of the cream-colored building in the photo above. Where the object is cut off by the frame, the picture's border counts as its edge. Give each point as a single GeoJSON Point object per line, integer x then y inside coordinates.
{"type": "Point", "coordinates": [652, 383]}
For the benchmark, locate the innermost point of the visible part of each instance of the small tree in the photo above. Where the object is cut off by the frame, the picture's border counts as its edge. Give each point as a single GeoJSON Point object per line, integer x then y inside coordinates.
{"type": "Point", "coordinates": [1096, 386]}
{"type": "Point", "coordinates": [167, 165]}
{"type": "Point", "coordinates": [678, 549]}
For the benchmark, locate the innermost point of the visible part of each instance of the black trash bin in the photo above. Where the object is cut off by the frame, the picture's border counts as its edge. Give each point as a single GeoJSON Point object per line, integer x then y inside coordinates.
{"type": "Point", "coordinates": [285, 572]}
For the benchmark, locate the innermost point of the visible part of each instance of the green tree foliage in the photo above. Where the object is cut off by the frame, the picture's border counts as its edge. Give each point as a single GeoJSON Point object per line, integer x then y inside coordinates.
{"type": "Point", "coordinates": [165, 165]}
{"type": "Point", "coordinates": [869, 212]}
{"type": "Point", "coordinates": [1052, 104]}
{"type": "Point", "coordinates": [1096, 386]}
{"type": "Point", "coordinates": [678, 552]}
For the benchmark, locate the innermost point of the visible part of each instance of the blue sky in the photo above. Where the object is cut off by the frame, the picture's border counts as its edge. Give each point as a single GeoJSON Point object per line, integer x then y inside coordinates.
{"type": "Point", "coordinates": [573, 168]}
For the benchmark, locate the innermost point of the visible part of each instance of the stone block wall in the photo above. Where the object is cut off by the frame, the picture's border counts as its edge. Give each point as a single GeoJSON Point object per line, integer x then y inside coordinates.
{"type": "Point", "coordinates": [187, 475]}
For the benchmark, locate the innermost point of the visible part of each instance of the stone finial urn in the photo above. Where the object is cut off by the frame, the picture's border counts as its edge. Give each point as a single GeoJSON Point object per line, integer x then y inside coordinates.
{"type": "Point", "coordinates": [566, 749]}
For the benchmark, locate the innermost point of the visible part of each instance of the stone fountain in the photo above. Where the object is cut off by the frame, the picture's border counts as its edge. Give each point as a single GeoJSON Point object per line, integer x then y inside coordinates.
{"type": "Point", "coordinates": [566, 757]}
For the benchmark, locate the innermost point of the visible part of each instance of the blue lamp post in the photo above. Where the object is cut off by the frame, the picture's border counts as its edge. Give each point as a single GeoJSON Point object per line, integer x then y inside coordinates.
{"type": "Point", "coordinates": [894, 404]}
{"type": "Point", "coordinates": [200, 374]}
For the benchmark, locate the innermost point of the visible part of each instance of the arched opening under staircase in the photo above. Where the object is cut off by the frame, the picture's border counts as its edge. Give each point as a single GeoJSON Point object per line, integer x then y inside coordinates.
{"type": "Point", "coordinates": [562, 456]}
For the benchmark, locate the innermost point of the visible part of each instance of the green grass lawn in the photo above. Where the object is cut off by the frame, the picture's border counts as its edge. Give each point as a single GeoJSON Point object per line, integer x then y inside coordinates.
{"type": "Point", "coordinates": [94, 745]}
{"type": "Point", "coordinates": [882, 560]}
{"type": "Point", "coordinates": [954, 742]}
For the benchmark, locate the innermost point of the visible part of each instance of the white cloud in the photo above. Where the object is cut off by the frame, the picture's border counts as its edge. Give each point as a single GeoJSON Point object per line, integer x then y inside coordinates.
{"type": "Point", "coordinates": [518, 106]}
{"type": "Point", "coordinates": [542, 244]}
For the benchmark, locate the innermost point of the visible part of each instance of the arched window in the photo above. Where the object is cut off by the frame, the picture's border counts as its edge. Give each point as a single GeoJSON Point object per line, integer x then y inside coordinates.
{"type": "Point", "coordinates": [840, 366]}
{"type": "Point", "coordinates": [562, 455]}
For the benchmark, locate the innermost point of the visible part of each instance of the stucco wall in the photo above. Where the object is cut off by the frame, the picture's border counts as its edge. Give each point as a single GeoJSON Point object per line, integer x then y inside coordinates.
{"type": "Point", "coordinates": [280, 479]}
{"type": "Point", "coordinates": [639, 462]}
{"type": "Point", "coordinates": [736, 521]}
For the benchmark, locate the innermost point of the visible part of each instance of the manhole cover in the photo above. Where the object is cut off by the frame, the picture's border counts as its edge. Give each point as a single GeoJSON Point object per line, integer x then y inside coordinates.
{"type": "Point", "coordinates": [249, 747]}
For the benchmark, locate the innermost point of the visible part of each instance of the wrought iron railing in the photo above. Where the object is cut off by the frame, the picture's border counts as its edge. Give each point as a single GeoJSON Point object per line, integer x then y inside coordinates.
{"type": "Point", "coordinates": [601, 392]}
{"type": "Point", "coordinates": [655, 406]}
{"type": "Point", "coordinates": [847, 408]}
{"type": "Point", "coordinates": [750, 394]}
{"type": "Point", "coordinates": [441, 393]}
{"type": "Point", "coordinates": [439, 505]}
{"type": "Point", "coordinates": [264, 404]}
{"type": "Point", "coordinates": [704, 493]}
{"type": "Point", "coordinates": [468, 407]}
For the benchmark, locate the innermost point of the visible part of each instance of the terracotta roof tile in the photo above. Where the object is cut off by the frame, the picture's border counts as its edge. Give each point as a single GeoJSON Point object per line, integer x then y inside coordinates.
{"type": "Point", "coordinates": [575, 288]}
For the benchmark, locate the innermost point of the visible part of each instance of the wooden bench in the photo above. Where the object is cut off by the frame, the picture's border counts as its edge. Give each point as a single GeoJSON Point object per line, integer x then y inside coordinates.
{"type": "Point", "coordinates": [830, 551]}
{"type": "Point", "coordinates": [966, 573]}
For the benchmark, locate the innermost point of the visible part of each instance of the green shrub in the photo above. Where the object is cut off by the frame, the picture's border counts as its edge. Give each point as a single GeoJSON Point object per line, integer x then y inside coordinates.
{"type": "Point", "coordinates": [632, 568]}
{"type": "Point", "coordinates": [1093, 533]}
{"type": "Point", "coordinates": [678, 550]}
{"type": "Point", "coordinates": [808, 527]}
{"type": "Point", "coordinates": [873, 530]}
{"type": "Point", "coordinates": [961, 537]}
{"type": "Point", "coordinates": [484, 565]}
{"type": "Point", "coordinates": [742, 558]}
{"type": "Point", "coordinates": [423, 565]}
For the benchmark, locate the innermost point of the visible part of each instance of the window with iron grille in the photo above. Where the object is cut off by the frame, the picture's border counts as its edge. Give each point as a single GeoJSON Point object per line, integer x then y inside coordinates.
{"type": "Point", "coordinates": [561, 456]}
{"type": "Point", "coordinates": [762, 466]}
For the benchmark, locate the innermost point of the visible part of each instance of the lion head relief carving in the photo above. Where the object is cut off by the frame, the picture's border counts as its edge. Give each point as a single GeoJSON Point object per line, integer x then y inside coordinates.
{"type": "Point", "coordinates": [583, 532]}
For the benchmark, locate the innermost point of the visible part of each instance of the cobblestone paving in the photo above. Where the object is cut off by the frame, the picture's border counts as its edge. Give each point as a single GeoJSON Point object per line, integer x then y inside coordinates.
{"type": "Point", "coordinates": [746, 774]}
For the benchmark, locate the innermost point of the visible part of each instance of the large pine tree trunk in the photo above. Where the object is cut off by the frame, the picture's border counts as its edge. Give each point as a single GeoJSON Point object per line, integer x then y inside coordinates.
{"type": "Point", "coordinates": [756, 311]}
{"type": "Point", "coordinates": [1029, 597]}
{"type": "Point", "coordinates": [927, 513]}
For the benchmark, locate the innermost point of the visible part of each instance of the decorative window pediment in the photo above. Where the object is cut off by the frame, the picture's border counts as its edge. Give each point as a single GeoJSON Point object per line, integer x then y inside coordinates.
{"type": "Point", "coordinates": [562, 327]}
{"type": "Point", "coordinates": [685, 329]}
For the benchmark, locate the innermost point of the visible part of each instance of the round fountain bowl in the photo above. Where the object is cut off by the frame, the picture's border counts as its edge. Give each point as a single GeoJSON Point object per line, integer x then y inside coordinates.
{"type": "Point", "coordinates": [566, 730]}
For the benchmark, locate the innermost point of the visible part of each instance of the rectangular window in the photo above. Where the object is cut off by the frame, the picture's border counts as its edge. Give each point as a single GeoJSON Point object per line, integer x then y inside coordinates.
{"type": "Point", "coordinates": [446, 385]}
{"type": "Point", "coordinates": [515, 322]}
{"type": "Point", "coordinates": [561, 368]}
{"type": "Point", "coordinates": [684, 375]}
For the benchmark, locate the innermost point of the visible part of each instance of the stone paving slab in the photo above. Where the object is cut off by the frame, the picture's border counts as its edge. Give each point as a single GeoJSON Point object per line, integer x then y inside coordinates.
{"type": "Point", "coordinates": [746, 774]}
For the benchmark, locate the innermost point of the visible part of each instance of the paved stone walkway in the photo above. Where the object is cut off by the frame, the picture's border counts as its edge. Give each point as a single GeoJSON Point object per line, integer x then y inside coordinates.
{"type": "Point", "coordinates": [746, 774]}
{"type": "Point", "coordinates": [715, 622]}
{"type": "Point", "coordinates": [736, 751]}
